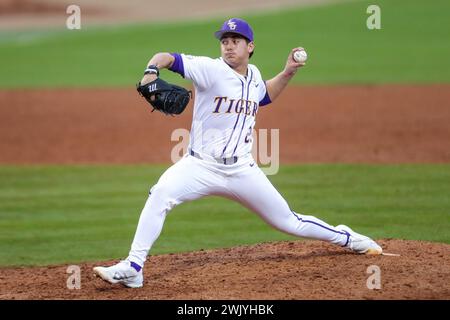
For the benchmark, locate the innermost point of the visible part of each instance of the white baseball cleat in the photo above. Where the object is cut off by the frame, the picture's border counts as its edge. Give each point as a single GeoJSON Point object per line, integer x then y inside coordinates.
{"type": "Point", "coordinates": [122, 273]}
{"type": "Point", "coordinates": [359, 243]}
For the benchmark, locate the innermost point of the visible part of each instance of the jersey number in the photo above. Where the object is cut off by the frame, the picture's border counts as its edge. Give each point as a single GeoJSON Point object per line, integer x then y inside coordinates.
{"type": "Point", "coordinates": [248, 137]}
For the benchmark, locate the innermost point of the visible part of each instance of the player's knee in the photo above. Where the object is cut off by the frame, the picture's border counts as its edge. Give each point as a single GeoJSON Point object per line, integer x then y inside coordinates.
{"type": "Point", "coordinates": [161, 195]}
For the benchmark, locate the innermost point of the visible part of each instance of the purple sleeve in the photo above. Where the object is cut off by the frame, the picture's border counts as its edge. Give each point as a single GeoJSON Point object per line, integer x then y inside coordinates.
{"type": "Point", "coordinates": [177, 65]}
{"type": "Point", "coordinates": [266, 100]}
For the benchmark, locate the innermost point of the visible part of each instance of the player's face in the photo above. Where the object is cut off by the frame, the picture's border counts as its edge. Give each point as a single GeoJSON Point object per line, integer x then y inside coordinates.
{"type": "Point", "coordinates": [235, 50]}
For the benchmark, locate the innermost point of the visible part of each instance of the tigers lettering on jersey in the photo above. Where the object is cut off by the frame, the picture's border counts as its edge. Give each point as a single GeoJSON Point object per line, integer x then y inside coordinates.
{"type": "Point", "coordinates": [225, 105]}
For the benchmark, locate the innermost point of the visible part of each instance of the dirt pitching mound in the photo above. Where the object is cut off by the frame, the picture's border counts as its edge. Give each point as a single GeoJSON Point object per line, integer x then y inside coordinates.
{"type": "Point", "coordinates": [281, 270]}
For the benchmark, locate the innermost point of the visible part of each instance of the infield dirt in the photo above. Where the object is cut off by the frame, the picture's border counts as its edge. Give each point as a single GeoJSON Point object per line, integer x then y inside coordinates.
{"type": "Point", "coordinates": [281, 270]}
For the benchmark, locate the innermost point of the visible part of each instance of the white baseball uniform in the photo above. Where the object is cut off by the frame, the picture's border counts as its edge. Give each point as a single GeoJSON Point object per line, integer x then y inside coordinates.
{"type": "Point", "coordinates": [219, 161]}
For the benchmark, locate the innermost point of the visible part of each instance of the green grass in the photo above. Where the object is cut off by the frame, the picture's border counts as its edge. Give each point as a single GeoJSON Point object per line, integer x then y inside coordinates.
{"type": "Point", "coordinates": [68, 214]}
{"type": "Point", "coordinates": [412, 47]}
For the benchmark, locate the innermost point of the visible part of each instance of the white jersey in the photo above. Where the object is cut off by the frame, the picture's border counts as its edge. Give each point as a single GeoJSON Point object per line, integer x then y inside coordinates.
{"type": "Point", "coordinates": [225, 108]}
{"type": "Point", "coordinates": [226, 104]}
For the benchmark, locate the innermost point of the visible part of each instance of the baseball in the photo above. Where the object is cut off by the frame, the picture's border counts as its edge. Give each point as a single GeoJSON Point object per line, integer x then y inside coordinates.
{"type": "Point", "coordinates": [300, 56]}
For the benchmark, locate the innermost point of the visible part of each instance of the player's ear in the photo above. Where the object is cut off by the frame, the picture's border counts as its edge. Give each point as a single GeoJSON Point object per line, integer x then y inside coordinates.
{"type": "Point", "coordinates": [250, 47]}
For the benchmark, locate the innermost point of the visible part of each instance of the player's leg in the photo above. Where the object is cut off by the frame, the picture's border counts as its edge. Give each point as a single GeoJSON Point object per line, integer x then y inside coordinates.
{"type": "Point", "coordinates": [253, 190]}
{"type": "Point", "coordinates": [186, 180]}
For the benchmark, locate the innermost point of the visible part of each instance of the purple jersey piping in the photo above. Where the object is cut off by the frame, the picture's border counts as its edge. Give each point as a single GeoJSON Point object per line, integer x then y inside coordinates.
{"type": "Point", "coordinates": [245, 117]}
{"type": "Point", "coordinates": [234, 128]}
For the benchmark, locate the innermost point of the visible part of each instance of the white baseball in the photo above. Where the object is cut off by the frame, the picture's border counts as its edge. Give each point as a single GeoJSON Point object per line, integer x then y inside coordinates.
{"type": "Point", "coordinates": [300, 56]}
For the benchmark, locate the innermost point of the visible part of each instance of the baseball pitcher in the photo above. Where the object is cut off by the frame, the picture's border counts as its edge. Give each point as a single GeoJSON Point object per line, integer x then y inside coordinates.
{"type": "Point", "coordinates": [228, 94]}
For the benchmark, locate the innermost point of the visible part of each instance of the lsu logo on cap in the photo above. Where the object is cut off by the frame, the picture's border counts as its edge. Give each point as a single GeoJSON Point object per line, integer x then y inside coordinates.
{"type": "Point", "coordinates": [231, 24]}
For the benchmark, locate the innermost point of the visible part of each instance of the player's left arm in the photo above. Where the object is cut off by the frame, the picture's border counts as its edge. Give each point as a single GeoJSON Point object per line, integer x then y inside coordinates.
{"type": "Point", "coordinates": [276, 85]}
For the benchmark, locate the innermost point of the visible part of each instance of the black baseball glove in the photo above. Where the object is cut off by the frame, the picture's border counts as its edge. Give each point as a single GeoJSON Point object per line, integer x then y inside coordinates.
{"type": "Point", "coordinates": [165, 97]}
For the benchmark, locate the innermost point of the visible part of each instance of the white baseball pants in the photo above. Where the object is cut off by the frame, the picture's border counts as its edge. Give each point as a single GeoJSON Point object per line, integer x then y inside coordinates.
{"type": "Point", "coordinates": [191, 178]}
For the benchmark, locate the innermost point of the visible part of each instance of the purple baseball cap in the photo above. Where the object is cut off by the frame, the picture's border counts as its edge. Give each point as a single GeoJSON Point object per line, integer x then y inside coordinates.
{"type": "Point", "coordinates": [235, 25]}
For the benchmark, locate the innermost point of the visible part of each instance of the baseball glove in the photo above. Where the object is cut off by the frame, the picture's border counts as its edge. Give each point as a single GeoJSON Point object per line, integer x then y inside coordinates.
{"type": "Point", "coordinates": [165, 97]}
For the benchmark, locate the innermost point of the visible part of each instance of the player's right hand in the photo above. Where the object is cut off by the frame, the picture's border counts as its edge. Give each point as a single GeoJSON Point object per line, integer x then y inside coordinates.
{"type": "Point", "coordinates": [291, 65]}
